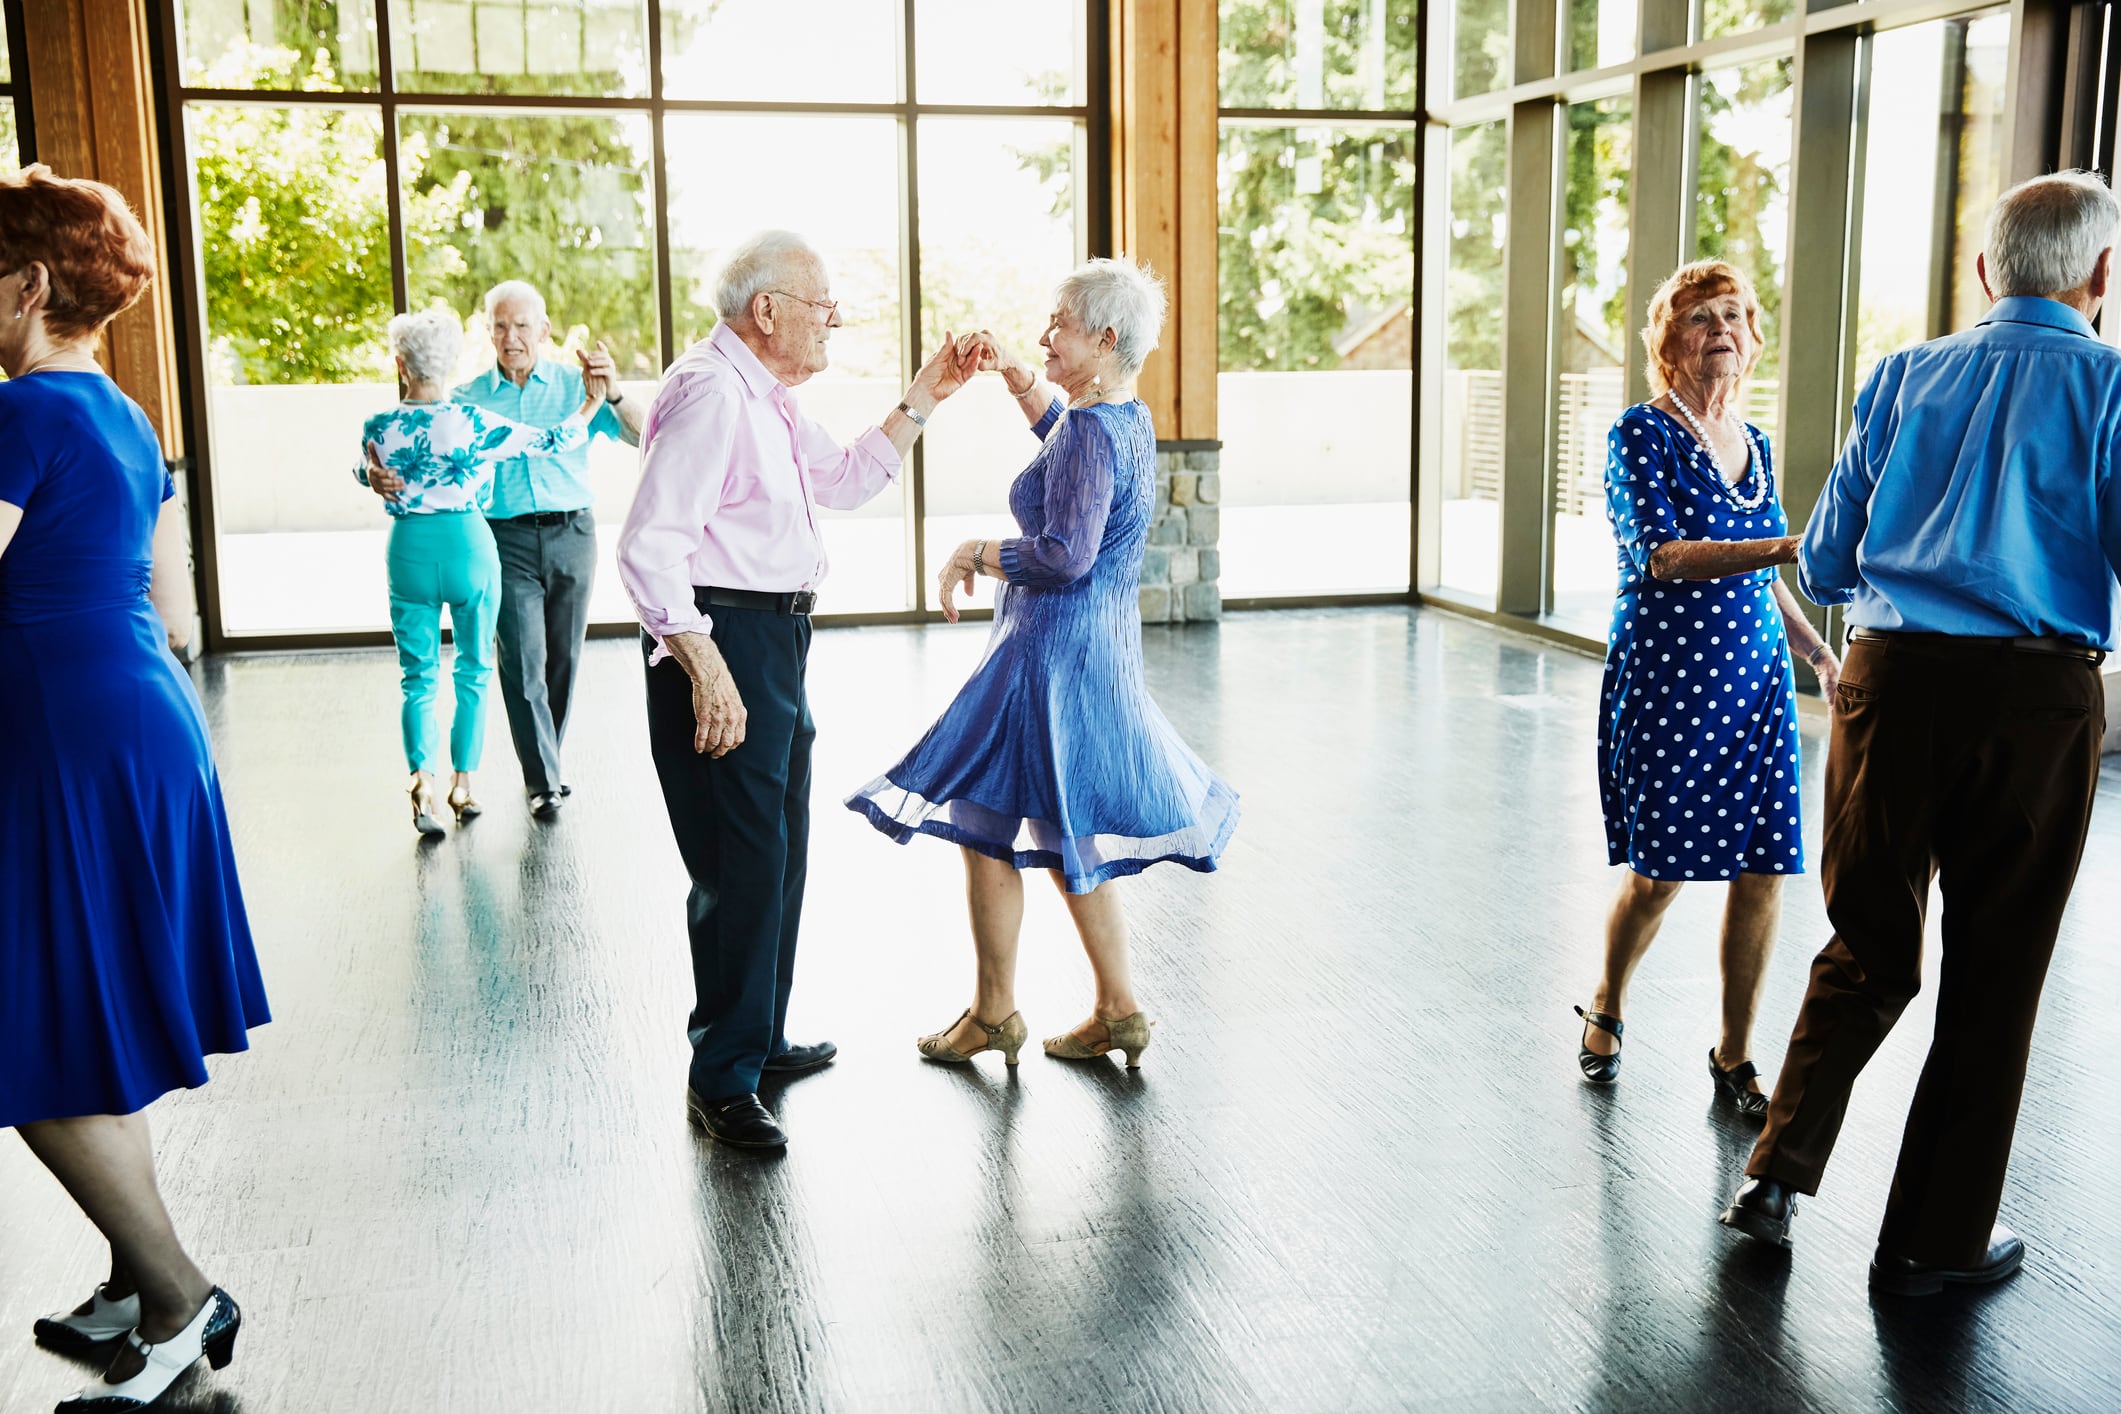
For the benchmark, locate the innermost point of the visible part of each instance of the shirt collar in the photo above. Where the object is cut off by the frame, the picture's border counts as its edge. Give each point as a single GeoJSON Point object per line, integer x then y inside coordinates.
{"type": "Point", "coordinates": [757, 381]}
{"type": "Point", "coordinates": [2037, 309]}
{"type": "Point", "coordinates": [496, 379]}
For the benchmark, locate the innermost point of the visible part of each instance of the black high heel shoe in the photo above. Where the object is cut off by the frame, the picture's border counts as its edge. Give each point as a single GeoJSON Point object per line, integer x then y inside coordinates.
{"type": "Point", "coordinates": [1598, 1069]}
{"type": "Point", "coordinates": [1730, 1085]}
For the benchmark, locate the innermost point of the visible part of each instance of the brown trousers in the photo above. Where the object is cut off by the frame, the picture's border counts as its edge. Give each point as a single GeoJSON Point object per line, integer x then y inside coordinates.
{"type": "Point", "coordinates": [1974, 762]}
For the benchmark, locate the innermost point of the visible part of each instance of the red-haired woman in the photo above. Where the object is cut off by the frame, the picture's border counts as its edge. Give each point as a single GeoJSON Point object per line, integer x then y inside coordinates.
{"type": "Point", "coordinates": [1697, 740]}
{"type": "Point", "coordinates": [122, 934]}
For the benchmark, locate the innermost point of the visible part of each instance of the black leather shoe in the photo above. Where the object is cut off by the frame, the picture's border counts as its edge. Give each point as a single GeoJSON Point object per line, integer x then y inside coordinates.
{"type": "Point", "coordinates": [1598, 1069]}
{"type": "Point", "coordinates": [1763, 1209]}
{"type": "Point", "coordinates": [1900, 1276]}
{"type": "Point", "coordinates": [797, 1058]}
{"type": "Point", "coordinates": [545, 805]}
{"type": "Point", "coordinates": [1730, 1085]}
{"type": "Point", "coordinates": [735, 1119]}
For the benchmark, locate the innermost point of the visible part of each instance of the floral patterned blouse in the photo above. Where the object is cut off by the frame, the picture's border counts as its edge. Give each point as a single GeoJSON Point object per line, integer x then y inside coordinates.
{"type": "Point", "coordinates": [448, 452]}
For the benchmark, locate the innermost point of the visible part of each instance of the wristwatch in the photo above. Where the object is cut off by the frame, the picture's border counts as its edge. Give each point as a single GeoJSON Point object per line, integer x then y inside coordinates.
{"type": "Point", "coordinates": [614, 397]}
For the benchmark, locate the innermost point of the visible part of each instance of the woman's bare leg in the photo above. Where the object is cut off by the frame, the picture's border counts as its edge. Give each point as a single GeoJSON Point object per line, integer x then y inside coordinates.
{"type": "Point", "coordinates": [107, 1164]}
{"type": "Point", "coordinates": [1630, 928]}
{"type": "Point", "coordinates": [1102, 925]}
{"type": "Point", "coordinates": [1752, 917]}
{"type": "Point", "coordinates": [994, 895]}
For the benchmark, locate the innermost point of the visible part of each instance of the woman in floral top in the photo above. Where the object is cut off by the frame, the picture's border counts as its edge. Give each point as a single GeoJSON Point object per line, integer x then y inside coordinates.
{"type": "Point", "coordinates": [441, 551]}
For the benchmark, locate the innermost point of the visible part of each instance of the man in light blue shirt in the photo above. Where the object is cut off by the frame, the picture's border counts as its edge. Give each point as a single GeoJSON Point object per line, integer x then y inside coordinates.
{"type": "Point", "coordinates": [1973, 524]}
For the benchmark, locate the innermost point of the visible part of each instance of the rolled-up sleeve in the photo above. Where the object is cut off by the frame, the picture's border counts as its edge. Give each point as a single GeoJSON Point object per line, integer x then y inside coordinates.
{"type": "Point", "coordinates": [1827, 570]}
{"type": "Point", "coordinates": [684, 467]}
{"type": "Point", "coordinates": [1078, 503]}
{"type": "Point", "coordinates": [1638, 497]}
{"type": "Point", "coordinates": [849, 476]}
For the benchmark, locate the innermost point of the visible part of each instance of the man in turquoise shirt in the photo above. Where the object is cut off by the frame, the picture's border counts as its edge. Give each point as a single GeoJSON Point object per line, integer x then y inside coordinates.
{"type": "Point", "coordinates": [1973, 524]}
{"type": "Point", "coordinates": [542, 525]}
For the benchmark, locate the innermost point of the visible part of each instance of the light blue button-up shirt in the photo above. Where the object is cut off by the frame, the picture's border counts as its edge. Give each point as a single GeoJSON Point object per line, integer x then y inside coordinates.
{"type": "Point", "coordinates": [1977, 494]}
{"type": "Point", "coordinates": [551, 392]}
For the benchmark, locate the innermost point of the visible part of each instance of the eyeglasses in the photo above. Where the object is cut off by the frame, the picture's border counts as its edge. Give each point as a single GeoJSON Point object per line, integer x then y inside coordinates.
{"type": "Point", "coordinates": [830, 306]}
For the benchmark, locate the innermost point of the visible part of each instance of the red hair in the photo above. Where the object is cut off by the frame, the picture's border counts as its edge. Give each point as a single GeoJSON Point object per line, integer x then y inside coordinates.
{"type": "Point", "coordinates": [1686, 287]}
{"type": "Point", "coordinates": [90, 244]}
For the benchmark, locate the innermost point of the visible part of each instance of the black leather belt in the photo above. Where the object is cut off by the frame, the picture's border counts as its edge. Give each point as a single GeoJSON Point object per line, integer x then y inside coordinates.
{"type": "Point", "coordinates": [2056, 647]}
{"type": "Point", "coordinates": [542, 518]}
{"type": "Point", "coordinates": [802, 601]}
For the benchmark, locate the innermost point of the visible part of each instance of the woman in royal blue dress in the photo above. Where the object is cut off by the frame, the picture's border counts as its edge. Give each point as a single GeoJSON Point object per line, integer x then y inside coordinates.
{"type": "Point", "coordinates": [123, 941]}
{"type": "Point", "coordinates": [1697, 739]}
{"type": "Point", "coordinates": [1053, 756]}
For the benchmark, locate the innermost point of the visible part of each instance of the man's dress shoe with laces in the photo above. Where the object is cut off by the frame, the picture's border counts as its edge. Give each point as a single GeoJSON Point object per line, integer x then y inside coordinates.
{"type": "Point", "coordinates": [1762, 1209]}
{"type": "Point", "coordinates": [801, 1057]}
{"type": "Point", "coordinates": [1900, 1276]}
{"type": "Point", "coordinates": [739, 1120]}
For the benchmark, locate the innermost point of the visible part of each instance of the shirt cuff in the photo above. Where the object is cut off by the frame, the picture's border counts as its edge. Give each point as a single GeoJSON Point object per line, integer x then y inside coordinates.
{"type": "Point", "coordinates": [665, 625]}
{"type": "Point", "coordinates": [877, 445]}
{"type": "Point", "coordinates": [1009, 554]}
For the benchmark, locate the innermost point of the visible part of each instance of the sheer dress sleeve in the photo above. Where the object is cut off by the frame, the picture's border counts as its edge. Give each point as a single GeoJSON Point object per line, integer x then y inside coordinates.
{"type": "Point", "coordinates": [1078, 501]}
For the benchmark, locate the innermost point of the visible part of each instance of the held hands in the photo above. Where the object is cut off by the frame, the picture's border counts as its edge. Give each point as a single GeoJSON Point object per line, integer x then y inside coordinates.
{"type": "Point", "coordinates": [946, 371]}
{"type": "Point", "coordinates": [959, 572]}
{"type": "Point", "coordinates": [600, 374]}
{"type": "Point", "coordinates": [983, 353]}
{"type": "Point", "coordinates": [380, 480]}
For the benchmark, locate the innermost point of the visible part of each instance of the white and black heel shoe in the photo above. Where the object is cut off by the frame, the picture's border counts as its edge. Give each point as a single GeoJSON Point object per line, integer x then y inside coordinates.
{"type": "Point", "coordinates": [79, 1332]}
{"type": "Point", "coordinates": [212, 1333]}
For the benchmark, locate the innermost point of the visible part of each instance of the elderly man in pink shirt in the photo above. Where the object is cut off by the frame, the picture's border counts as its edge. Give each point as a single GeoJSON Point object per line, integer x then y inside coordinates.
{"type": "Point", "coordinates": [722, 556]}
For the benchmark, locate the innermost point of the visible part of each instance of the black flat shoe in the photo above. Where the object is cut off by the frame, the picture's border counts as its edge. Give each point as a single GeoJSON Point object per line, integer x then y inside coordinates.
{"type": "Point", "coordinates": [739, 1120]}
{"type": "Point", "coordinates": [797, 1058]}
{"type": "Point", "coordinates": [1598, 1069]}
{"type": "Point", "coordinates": [1900, 1276]}
{"type": "Point", "coordinates": [1730, 1085]}
{"type": "Point", "coordinates": [545, 805]}
{"type": "Point", "coordinates": [1762, 1209]}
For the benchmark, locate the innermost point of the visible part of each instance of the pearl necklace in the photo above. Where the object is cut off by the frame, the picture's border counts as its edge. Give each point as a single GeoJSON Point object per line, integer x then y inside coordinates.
{"type": "Point", "coordinates": [1757, 483]}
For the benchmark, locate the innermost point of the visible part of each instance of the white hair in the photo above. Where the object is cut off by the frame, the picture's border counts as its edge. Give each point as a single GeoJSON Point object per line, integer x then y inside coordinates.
{"type": "Point", "coordinates": [764, 262]}
{"type": "Point", "coordinates": [2045, 235]}
{"type": "Point", "coordinates": [1119, 295]}
{"type": "Point", "coordinates": [430, 341]}
{"type": "Point", "coordinates": [514, 290]}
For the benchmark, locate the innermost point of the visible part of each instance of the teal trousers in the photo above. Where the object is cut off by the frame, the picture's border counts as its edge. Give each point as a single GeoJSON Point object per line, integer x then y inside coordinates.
{"type": "Point", "coordinates": [434, 560]}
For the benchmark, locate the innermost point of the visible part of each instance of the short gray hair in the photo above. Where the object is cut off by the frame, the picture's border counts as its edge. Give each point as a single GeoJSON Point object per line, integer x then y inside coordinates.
{"type": "Point", "coordinates": [761, 263]}
{"type": "Point", "coordinates": [517, 290]}
{"type": "Point", "coordinates": [1119, 295]}
{"type": "Point", "coordinates": [430, 341]}
{"type": "Point", "coordinates": [2045, 235]}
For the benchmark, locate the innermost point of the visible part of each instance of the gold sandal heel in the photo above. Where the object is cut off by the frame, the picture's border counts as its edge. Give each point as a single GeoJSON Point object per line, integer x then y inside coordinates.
{"type": "Point", "coordinates": [423, 808]}
{"type": "Point", "coordinates": [1129, 1034]}
{"type": "Point", "coordinates": [1006, 1037]}
{"type": "Point", "coordinates": [466, 808]}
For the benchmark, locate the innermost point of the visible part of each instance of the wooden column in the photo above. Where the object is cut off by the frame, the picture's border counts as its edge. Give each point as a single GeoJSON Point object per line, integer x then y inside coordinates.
{"type": "Point", "coordinates": [1164, 146]}
{"type": "Point", "coordinates": [1658, 188]}
{"type": "Point", "coordinates": [88, 68]}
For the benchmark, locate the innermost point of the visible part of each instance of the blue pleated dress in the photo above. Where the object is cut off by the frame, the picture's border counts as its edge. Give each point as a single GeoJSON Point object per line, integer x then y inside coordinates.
{"type": "Point", "coordinates": [1053, 755]}
{"type": "Point", "coordinates": [125, 955]}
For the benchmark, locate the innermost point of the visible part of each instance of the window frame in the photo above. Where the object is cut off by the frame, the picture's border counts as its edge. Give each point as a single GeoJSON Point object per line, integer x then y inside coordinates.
{"type": "Point", "coordinates": [388, 100]}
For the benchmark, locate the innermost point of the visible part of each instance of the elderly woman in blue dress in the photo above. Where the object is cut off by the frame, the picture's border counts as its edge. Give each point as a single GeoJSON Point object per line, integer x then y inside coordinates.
{"type": "Point", "coordinates": [1697, 742]}
{"type": "Point", "coordinates": [441, 550]}
{"type": "Point", "coordinates": [1053, 756]}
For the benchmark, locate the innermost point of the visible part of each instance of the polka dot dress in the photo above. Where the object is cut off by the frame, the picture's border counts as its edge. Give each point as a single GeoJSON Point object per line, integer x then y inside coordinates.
{"type": "Point", "coordinates": [1697, 740]}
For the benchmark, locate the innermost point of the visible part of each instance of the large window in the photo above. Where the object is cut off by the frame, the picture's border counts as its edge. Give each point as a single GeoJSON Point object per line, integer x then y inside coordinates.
{"type": "Point", "coordinates": [349, 160]}
{"type": "Point", "coordinates": [1315, 247]}
{"type": "Point", "coordinates": [10, 150]}
{"type": "Point", "coordinates": [1471, 415]}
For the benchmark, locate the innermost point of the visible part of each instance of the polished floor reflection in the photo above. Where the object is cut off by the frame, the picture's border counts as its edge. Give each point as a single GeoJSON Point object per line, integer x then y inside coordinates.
{"type": "Point", "coordinates": [1356, 1173]}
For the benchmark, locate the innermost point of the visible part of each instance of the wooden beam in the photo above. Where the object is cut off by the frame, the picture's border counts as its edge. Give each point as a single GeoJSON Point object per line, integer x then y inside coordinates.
{"type": "Point", "coordinates": [1195, 334]}
{"type": "Point", "coordinates": [1657, 199]}
{"type": "Point", "coordinates": [2032, 122]}
{"type": "Point", "coordinates": [88, 66]}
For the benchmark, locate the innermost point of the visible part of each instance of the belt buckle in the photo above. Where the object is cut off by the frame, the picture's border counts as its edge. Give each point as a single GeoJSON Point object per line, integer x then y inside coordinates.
{"type": "Point", "coordinates": [802, 601]}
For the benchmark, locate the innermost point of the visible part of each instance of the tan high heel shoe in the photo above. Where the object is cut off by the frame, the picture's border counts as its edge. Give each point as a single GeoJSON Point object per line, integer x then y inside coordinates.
{"type": "Point", "coordinates": [1008, 1038]}
{"type": "Point", "coordinates": [423, 807]}
{"type": "Point", "coordinates": [460, 801]}
{"type": "Point", "coordinates": [1128, 1033]}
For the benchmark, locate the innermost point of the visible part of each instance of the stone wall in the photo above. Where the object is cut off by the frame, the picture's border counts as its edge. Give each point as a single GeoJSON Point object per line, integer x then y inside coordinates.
{"type": "Point", "coordinates": [1182, 566]}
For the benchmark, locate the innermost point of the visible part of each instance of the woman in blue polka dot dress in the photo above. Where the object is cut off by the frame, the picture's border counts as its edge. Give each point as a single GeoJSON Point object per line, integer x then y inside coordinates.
{"type": "Point", "coordinates": [1697, 741]}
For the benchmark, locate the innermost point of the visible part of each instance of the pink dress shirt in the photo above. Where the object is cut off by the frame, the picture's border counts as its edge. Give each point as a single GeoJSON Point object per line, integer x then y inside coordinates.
{"type": "Point", "coordinates": [730, 473]}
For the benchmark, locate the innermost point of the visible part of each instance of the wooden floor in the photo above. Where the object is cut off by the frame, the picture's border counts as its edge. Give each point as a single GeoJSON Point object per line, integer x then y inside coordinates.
{"type": "Point", "coordinates": [1357, 1173]}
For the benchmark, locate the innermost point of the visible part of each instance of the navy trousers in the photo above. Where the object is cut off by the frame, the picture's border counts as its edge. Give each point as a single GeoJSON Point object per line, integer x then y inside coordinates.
{"type": "Point", "coordinates": [743, 829]}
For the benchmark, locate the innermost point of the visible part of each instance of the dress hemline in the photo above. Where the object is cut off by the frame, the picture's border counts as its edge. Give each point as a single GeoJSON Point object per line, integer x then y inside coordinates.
{"type": "Point", "coordinates": [899, 832]}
